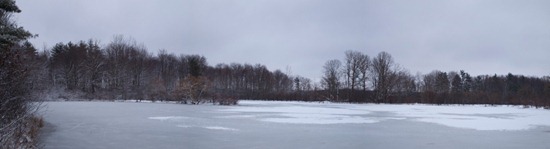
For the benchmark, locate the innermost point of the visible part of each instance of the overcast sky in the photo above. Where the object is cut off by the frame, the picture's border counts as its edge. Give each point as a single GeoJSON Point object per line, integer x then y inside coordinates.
{"type": "Point", "coordinates": [479, 36]}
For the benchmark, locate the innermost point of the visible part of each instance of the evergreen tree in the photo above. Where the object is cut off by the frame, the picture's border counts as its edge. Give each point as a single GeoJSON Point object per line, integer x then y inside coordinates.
{"type": "Point", "coordinates": [14, 106]}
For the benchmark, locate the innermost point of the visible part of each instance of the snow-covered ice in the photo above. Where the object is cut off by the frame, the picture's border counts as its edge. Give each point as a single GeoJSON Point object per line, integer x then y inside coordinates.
{"type": "Point", "coordinates": [208, 127]}
{"type": "Point", "coordinates": [478, 117]}
{"type": "Point", "coordinates": [162, 118]}
{"type": "Point", "coordinates": [272, 125]}
{"type": "Point", "coordinates": [318, 119]}
{"type": "Point", "coordinates": [220, 128]}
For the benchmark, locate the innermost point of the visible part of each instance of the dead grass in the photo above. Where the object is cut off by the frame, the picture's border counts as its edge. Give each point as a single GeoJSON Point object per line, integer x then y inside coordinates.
{"type": "Point", "coordinates": [35, 124]}
{"type": "Point", "coordinates": [24, 135]}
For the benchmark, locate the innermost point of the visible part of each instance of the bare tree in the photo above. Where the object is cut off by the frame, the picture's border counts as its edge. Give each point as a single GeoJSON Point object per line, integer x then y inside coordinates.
{"type": "Point", "coordinates": [282, 82]}
{"type": "Point", "coordinates": [94, 66]}
{"type": "Point", "coordinates": [351, 68]}
{"type": "Point", "coordinates": [382, 69]}
{"type": "Point", "coordinates": [428, 88]}
{"type": "Point", "coordinates": [364, 66]}
{"type": "Point", "coordinates": [355, 70]}
{"type": "Point", "coordinates": [167, 70]}
{"type": "Point", "coordinates": [117, 54]}
{"type": "Point", "coordinates": [403, 86]}
{"type": "Point", "coordinates": [331, 78]}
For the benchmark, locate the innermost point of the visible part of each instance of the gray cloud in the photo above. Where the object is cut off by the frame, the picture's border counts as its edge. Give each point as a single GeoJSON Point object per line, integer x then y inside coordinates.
{"type": "Point", "coordinates": [481, 37]}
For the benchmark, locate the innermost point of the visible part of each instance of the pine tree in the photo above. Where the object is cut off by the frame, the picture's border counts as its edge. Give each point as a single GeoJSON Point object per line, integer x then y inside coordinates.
{"type": "Point", "coordinates": [14, 107]}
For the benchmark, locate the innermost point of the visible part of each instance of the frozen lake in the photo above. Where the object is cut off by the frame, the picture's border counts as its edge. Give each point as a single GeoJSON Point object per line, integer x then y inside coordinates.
{"type": "Point", "coordinates": [275, 125]}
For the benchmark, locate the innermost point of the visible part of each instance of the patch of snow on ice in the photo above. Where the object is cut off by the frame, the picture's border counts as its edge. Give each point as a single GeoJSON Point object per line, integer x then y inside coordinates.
{"type": "Point", "coordinates": [481, 118]}
{"type": "Point", "coordinates": [209, 127]}
{"type": "Point", "coordinates": [300, 113]}
{"type": "Point", "coordinates": [220, 128]}
{"type": "Point", "coordinates": [298, 109]}
{"type": "Point", "coordinates": [183, 126]}
{"type": "Point", "coordinates": [163, 118]}
{"type": "Point", "coordinates": [319, 119]}
{"type": "Point", "coordinates": [238, 116]}
{"type": "Point", "coordinates": [476, 117]}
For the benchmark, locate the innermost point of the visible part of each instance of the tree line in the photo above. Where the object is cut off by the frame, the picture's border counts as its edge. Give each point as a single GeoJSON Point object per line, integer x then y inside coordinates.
{"type": "Point", "coordinates": [123, 69]}
{"type": "Point", "coordinates": [380, 80]}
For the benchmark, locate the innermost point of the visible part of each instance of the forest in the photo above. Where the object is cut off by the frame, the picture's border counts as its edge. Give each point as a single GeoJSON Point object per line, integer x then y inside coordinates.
{"type": "Point", "coordinates": [126, 70]}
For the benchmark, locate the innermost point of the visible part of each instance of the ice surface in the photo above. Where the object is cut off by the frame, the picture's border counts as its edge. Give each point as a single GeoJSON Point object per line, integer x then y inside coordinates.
{"type": "Point", "coordinates": [319, 119]}
{"type": "Point", "coordinates": [183, 126]}
{"type": "Point", "coordinates": [307, 113]}
{"type": "Point", "coordinates": [220, 128]}
{"type": "Point", "coordinates": [477, 117]}
{"type": "Point", "coordinates": [168, 118]}
{"type": "Point", "coordinates": [275, 125]}
{"type": "Point", "coordinates": [209, 127]}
